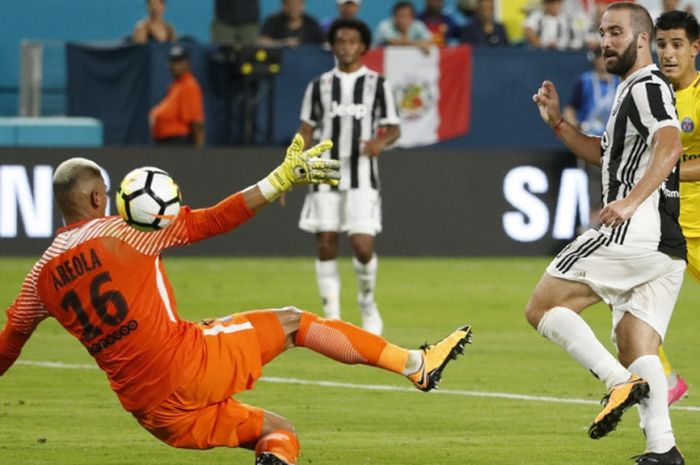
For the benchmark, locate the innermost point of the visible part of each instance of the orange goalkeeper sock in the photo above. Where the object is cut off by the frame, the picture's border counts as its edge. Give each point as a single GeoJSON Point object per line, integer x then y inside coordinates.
{"type": "Point", "coordinates": [346, 343]}
{"type": "Point", "coordinates": [283, 444]}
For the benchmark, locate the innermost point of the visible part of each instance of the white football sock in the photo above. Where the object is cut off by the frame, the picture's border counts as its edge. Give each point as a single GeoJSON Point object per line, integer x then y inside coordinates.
{"type": "Point", "coordinates": [569, 331]}
{"type": "Point", "coordinates": [328, 280]}
{"type": "Point", "coordinates": [366, 278]}
{"type": "Point", "coordinates": [654, 410]}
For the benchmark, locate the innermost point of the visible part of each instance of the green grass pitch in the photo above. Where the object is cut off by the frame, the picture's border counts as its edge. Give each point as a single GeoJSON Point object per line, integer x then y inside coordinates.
{"type": "Point", "coordinates": [70, 416]}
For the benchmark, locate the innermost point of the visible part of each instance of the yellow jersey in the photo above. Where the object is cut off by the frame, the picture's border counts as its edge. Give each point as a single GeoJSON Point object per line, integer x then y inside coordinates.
{"type": "Point", "coordinates": [688, 108]}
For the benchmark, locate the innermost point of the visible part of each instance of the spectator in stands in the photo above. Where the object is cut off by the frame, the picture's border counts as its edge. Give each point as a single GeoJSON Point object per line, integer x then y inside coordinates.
{"type": "Point", "coordinates": [154, 28]}
{"type": "Point", "coordinates": [235, 22]}
{"type": "Point", "coordinates": [592, 37]}
{"type": "Point", "coordinates": [403, 28]}
{"type": "Point", "coordinates": [588, 109]}
{"type": "Point", "coordinates": [657, 7]}
{"type": "Point", "coordinates": [442, 26]}
{"type": "Point", "coordinates": [483, 28]}
{"type": "Point", "coordinates": [347, 9]}
{"type": "Point", "coordinates": [179, 118]}
{"type": "Point", "coordinates": [467, 7]}
{"type": "Point", "coordinates": [291, 27]}
{"type": "Point", "coordinates": [550, 28]}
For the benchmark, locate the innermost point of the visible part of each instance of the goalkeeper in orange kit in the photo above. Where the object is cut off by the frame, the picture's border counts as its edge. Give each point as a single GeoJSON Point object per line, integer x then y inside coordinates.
{"type": "Point", "coordinates": [105, 283]}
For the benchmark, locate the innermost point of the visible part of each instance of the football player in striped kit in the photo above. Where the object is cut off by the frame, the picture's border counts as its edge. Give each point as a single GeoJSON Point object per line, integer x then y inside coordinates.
{"type": "Point", "coordinates": [678, 45]}
{"type": "Point", "coordinates": [636, 260]}
{"type": "Point", "coordinates": [354, 107]}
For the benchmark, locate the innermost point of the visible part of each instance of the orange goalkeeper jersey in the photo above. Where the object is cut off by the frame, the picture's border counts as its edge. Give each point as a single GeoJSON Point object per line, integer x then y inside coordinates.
{"type": "Point", "coordinates": [105, 283]}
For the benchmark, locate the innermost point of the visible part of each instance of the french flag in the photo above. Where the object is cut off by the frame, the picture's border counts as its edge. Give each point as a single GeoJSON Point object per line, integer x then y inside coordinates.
{"type": "Point", "coordinates": [432, 90]}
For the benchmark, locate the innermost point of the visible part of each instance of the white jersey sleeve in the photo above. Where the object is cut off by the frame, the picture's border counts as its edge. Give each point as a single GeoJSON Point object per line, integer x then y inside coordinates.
{"type": "Point", "coordinates": [310, 107]}
{"type": "Point", "coordinates": [656, 107]}
{"type": "Point", "coordinates": [389, 114]}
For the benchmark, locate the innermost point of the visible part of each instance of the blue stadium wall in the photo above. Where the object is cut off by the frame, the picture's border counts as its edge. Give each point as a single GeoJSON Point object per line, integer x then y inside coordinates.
{"type": "Point", "coordinates": [503, 80]}
{"type": "Point", "coordinates": [435, 202]}
{"type": "Point", "coordinates": [119, 85]}
{"type": "Point", "coordinates": [56, 21]}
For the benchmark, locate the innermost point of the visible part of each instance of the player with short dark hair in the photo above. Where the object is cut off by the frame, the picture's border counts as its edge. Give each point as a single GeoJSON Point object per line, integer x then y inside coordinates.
{"type": "Point", "coordinates": [105, 283]}
{"type": "Point", "coordinates": [354, 107]}
{"type": "Point", "coordinates": [635, 261]}
{"type": "Point", "coordinates": [677, 34]}
{"type": "Point", "coordinates": [350, 23]}
{"type": "Point", "coordinates": [677, 45]}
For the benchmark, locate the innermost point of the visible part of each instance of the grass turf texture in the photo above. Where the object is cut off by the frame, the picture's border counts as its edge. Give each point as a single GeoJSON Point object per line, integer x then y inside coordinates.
{"type": "Point", "coordinates": [70, 416]}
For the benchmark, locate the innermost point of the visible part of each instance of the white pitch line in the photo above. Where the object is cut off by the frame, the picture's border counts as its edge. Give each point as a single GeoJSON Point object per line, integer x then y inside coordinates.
{"type": "Point", "coordinates": [377, 387]}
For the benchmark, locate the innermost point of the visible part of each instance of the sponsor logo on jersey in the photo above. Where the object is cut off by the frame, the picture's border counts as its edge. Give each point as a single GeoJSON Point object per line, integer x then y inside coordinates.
{"type": "Point", "coordinates": [356, 110]}
{"type": "Point", "coordinates": [116, 335]}
{"type": "Point", "coordinates": [415, 96]}
{"type": "Point", "coordinates": [669, 193]}
{"type": "Point", "coordinates": [687, 125]}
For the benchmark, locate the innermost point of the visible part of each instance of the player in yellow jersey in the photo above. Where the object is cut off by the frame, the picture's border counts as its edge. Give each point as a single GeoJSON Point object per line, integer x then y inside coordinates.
{"type": "Point", "coordinates": [677, 34]}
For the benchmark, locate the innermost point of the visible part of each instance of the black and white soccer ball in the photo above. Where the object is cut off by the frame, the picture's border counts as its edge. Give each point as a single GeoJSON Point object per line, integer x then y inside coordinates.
{"type": "Point", "coordinates": [148, 199]}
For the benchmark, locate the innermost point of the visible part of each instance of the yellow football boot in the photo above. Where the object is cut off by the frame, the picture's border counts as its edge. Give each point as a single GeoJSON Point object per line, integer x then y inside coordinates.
{"type": "Point", "coordinates": [437, 356]}
{"type": "Point", "coordinates": [619, 398]}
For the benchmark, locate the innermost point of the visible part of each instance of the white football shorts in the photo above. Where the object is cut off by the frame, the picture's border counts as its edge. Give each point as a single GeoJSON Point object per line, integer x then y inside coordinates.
{"type": "Point", "coordinates": [355, 211]}
{"type": "Point", "coordinates": [643, 282]}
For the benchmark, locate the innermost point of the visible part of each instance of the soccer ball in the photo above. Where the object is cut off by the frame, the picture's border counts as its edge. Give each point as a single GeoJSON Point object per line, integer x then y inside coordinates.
{"type": "Point", "coordinates": [148, 199]}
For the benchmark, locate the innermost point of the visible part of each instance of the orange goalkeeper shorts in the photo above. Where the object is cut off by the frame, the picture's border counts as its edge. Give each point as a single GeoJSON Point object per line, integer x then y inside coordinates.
{"type": "Point", "coordinates": [201, 414]}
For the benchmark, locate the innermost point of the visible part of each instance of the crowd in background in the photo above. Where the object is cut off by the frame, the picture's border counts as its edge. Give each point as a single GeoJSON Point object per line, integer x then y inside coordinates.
{"type": "Point", "coordinates": [548, 24]}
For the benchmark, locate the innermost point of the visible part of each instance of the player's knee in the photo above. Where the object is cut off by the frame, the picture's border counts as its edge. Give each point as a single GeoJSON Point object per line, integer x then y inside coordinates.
{"type": "Point", "coordinates": [327, 246]}
{"type": "Point", "coordinates": [327, 252]}
{"type": "Point", "coordinates": [533, 314]}
{"type": "Point", "coordinates": [364, 254]}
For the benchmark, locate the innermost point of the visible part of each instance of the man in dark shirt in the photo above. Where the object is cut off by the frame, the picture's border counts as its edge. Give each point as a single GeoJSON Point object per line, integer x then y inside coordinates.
{"type": "Point", "coordinates": [235, 22]}
{"type": "Point", "coordinates": [290, 27]}
{"type": "Point", "coordinates": [483, 29]}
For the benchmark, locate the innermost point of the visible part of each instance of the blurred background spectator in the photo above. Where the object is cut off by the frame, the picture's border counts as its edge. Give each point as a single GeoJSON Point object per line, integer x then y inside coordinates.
{"type": "Point", "coordinates": [483, 28]}
{"type": "Point", "coordinates": [656, 7]}
{"type": "Point", "coordinates": [441, 25]}
{"type": "Point", "coordinates": [235, 22]}
{"type": "Point", "coordinates": [290, 27]}
{"type": "Point", "coordinates": [588, 108]}
{"type": "Point", "coordinates": [153, 28]}
{"type": "Point", "coordinates": [402, 28]}
{"type": "Point", "coordinates": [592, 37]}
{"type": "Point", "coordinates": [549, 27]}
{"type": "Point", "coordinates": [467, 7]}
{"type": "Point", "coordinates": [347, 9]}
{"type": "Point", "coordinates": [178, 119]}
{"type": "Point", "coordinates": [592, 97]}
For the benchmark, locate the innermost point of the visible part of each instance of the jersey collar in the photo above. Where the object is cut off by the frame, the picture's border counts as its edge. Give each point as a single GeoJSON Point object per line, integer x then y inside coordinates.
{"type": "Point", "coordinates": [640, 72]}
{"type": "Point", "coordinates": [362, 70]}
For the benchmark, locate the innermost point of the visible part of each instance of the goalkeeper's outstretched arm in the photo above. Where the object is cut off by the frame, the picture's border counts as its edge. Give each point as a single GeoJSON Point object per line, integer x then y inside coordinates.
{"type": "Point", "coordinates": [299, 167]}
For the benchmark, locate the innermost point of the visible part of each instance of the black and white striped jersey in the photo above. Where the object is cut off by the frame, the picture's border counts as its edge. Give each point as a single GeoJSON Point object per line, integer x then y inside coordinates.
{"type": "Point", "coordinates": [348, 108]}
{"type": "Point", "coordinates": [644, 103]}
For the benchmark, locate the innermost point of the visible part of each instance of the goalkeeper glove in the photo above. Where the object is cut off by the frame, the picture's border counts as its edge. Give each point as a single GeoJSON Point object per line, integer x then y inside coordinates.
{"type": "Point", "coordinates": [301, 167]}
